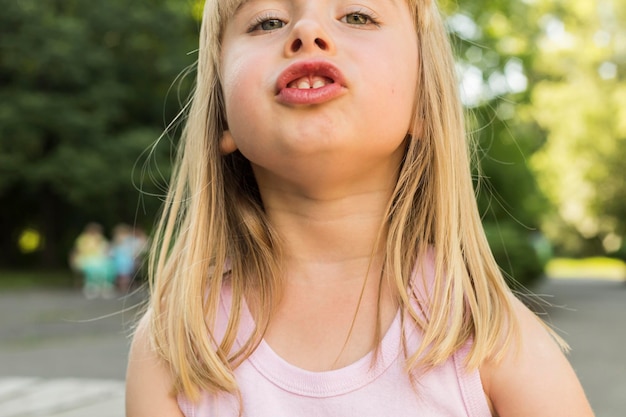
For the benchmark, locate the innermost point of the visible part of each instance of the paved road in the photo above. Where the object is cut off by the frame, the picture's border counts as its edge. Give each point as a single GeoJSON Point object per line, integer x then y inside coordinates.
{"type": "Point", "coordinates": [591, 316]}
{"type": "Point", "coordinates": [64, 356]}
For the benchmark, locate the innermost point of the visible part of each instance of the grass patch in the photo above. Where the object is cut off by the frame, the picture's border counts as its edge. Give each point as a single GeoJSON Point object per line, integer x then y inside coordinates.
{"type": "Point", "coordinates": [589, 268]}
{"type": "Point", "coordinates": [28, 279]}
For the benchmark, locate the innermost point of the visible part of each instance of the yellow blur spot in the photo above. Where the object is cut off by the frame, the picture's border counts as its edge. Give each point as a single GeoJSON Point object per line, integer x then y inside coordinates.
{"type": "Point", "coordinates": [197, 9]}
{"type": "Point", "coordinates": [29, 240]}
{"type": "Point", "coordinates": [588, 268]}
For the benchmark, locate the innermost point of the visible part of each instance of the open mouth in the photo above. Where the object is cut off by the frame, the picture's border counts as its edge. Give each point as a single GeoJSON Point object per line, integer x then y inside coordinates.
{"type": "Point", "coordinates": [313, 74]}
{"type": "Point", "coordinates": [310, 81]}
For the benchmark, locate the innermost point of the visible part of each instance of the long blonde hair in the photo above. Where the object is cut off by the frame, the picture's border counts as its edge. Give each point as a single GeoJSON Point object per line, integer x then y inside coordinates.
{"type": "Point", "coordinates": [214, 213]}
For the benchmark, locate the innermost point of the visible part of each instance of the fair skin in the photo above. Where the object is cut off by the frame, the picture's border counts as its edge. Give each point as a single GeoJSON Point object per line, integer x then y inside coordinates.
{"type": "Point", "coordinates": [325, 166]}
{"type": "Point", "coordinates": [326, 162]}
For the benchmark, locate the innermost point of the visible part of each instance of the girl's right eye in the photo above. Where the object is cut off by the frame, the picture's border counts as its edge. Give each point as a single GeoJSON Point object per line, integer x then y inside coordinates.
{"type": "Point", "coordinates": [266, 24]}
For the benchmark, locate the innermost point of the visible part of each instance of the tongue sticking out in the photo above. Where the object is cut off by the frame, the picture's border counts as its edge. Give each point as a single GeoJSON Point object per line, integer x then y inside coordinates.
{"type": "Point", "coordinates": [309, 81]}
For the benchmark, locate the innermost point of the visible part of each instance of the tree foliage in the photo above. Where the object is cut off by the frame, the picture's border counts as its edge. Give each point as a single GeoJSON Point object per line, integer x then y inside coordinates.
{"type": "Point", "coordinates": [83, 89]}
{"type": "Point", "coordinates": [84, 93]}
{"type": "Point", "coordinates": [545, 81]}
{"type": "Point", "coordinates": [494, 42]}
{"type": "Point", "coordinates": [579, 100]}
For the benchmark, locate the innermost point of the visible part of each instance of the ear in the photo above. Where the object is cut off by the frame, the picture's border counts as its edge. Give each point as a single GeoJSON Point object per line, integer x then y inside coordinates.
{"type": "Point", "coordinates": [227, 143]}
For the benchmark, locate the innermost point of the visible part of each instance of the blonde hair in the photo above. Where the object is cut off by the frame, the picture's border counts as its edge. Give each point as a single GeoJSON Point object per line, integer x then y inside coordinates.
{"type": "Point", "coordinates": [213, 213]}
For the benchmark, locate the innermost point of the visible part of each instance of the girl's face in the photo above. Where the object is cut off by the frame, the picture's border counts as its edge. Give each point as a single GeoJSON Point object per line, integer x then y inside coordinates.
{"type": "Point", "coordinates": [319, 85]}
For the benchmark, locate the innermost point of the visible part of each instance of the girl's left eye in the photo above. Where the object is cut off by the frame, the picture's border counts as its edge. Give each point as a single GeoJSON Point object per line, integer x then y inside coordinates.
{"type": "Point", "coordinates": [358, 19]}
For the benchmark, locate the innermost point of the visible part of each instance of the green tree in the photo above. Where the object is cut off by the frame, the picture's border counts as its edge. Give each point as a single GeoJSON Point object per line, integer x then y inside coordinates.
{"type": "Point", "coordinates": [493, 40]}
{"type": "Point", "coordinates": [547, 78]}
{"type": "Point", "coordinates": [83, 89]}
{"type": "Point", "coordinates": [580, 101]}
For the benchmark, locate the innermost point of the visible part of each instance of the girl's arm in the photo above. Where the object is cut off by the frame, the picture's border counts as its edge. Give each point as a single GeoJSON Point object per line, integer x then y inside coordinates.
{"type": "Point", "coordinates": [148, 381]}
{"type": "Point", "coordinates": [534, 379]}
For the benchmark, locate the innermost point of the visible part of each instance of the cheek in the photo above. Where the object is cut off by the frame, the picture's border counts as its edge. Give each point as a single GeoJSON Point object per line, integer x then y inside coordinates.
{"type": "Point", "coordinates": [243, 101]}
{"type": "Point", "coordinates": [395, 103]}
{"type": "Point", "coordinates": [234, 73]}
{"type": "Point", "coordinates": [245, 83]}
{"type": "Point", "coordinates": [394, 70]}
{"type": "Point", "coordinates": [237, 71]}
{"type": "Point", "coordinates": [402, 89]}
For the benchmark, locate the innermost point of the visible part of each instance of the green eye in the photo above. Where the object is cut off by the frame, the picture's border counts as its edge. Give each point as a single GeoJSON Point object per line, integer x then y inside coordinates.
{"type": "Point", "coordinates": [357, 19]}
{"type": "Point", "coordinates": [271, 24]}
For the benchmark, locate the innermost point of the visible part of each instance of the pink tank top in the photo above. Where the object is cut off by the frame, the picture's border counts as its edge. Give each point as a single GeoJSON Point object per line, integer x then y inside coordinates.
{"type": "Point", "coordinates": [272, 387]}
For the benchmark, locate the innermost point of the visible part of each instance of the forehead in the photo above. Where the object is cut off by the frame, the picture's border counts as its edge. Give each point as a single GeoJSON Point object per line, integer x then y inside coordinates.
{"type": "Point", "coordinates": [224, 10]}
{"type": "Point", "coordinates": [231, 6]}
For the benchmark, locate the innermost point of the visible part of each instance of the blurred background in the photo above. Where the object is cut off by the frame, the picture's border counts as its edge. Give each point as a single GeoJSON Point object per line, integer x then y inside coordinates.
{"type": "Point", "coordinates": [88, 88]}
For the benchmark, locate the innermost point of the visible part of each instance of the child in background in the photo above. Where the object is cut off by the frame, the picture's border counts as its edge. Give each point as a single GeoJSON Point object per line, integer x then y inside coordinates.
{"type": "Point", "coordinates": [321, 252]}
{"type": "Point", "coordinates": [90, 256]}
{"type": "Point", "coordinates": [123, 255]}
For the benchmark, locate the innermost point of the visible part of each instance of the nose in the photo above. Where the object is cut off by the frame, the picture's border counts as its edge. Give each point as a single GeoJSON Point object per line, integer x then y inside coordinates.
{"type": "Point", "coordinates": [309, 36]}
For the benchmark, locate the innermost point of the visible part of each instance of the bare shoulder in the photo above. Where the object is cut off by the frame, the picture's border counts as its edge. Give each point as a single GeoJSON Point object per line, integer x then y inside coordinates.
{"type": "Point", "coordinates": [534, 378]}
{"type": "Point", "coordinates": [148, 381]}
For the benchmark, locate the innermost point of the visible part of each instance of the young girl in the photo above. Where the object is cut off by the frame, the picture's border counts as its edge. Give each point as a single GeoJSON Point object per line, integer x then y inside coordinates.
{"type": "Point", "coordinates": [321, 253]}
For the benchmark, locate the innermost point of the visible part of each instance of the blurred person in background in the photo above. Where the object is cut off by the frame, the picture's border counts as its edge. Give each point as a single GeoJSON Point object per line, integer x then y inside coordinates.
{"type": "Point", "coordinates": [123, 254]}
{"type": "Point", "coordinates": [128, 246]}
{"type": "Point", "coordinates": [90, 257]}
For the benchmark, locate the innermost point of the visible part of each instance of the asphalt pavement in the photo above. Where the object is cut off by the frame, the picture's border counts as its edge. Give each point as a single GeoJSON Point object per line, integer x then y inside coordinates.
{"type": "Point", "coordinates": [64, 356]}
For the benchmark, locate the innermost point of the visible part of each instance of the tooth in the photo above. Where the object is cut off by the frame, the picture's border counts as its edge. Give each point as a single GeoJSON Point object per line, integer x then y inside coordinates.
{"type": "Point", "coordinates": [304, 84]}
{"type": "Point", "coordinates": [318, 84]}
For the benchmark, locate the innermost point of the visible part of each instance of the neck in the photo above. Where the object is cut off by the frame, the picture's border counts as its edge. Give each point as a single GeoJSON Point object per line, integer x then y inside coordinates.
{"type": "Point", "coordinates": [330, 237]}
{"type": "Point", "coordinates": [330, 213]}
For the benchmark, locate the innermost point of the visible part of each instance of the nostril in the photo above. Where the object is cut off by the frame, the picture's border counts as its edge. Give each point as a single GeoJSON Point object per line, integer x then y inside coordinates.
{"type": "Point", "coordinates": [321, 44]}
{"type": "Point", "coordinates": [296, 45]}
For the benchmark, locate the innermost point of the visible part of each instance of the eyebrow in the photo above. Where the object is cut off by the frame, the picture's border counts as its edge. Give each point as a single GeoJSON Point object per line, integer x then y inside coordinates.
{"type": "Point", "coordinates": [243, 3]}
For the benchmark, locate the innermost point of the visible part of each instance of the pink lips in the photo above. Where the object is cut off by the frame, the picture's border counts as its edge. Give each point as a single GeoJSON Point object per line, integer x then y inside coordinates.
{"type": "Point", "coordinates": [286, 86]}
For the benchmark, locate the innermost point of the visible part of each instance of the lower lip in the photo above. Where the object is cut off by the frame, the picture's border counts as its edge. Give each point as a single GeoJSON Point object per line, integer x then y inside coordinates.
{"type": "Point", "coordinates": [308, 96]}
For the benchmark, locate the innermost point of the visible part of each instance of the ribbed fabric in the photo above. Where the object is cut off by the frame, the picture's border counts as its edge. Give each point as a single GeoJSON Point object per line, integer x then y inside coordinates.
{"type": "Point", "coordinates": [272, 387]}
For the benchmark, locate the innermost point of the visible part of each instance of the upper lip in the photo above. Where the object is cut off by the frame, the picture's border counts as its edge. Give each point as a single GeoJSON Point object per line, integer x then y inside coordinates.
{"type": "Point", "coordinates": [301, 69]}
